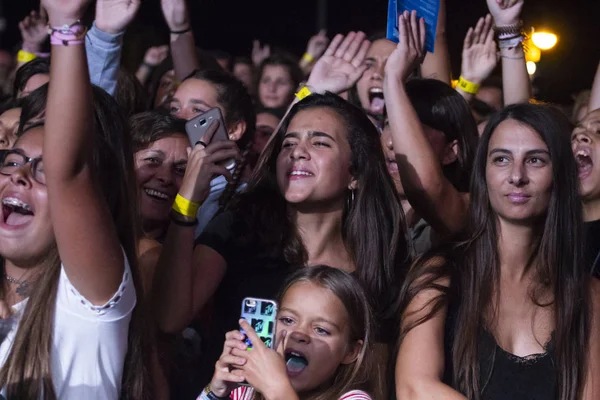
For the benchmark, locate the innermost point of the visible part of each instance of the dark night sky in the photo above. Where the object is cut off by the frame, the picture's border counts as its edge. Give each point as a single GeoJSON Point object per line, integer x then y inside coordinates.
{"type": "Point", "coordinates": [232, 24]}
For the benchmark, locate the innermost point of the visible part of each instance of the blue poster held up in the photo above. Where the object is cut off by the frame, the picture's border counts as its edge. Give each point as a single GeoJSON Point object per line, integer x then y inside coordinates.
{"type": "Point", "coordinates": [426, 9]}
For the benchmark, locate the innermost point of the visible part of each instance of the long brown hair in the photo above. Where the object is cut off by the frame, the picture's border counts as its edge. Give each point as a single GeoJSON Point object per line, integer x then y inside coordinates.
{"type": "Point", "coordinates": [473, 266]}
{"type": "Point", "coordinates": [373, 222]}
{"type": "Point", "coordinates": [27, 371]}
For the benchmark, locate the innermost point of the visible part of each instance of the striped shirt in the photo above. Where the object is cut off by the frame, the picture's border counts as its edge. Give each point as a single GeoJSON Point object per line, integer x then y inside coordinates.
{"type": "Point", "coordinates": [247, 393]}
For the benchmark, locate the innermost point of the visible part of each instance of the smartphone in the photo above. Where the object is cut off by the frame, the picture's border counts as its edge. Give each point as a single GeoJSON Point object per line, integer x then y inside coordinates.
{"type": "Point", "coordinates": [196, 129]}
{"type": "Point", "coordinates": [261, 314]}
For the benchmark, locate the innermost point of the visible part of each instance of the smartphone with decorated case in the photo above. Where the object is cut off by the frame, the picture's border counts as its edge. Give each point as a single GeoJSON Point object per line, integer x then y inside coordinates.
{"type": "Point", "coordinates": [261, 314]}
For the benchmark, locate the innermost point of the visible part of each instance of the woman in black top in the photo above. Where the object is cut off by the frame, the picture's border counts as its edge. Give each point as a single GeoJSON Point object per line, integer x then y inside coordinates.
{"type": "Point", "coordinates": [321, 194]}
{"type": "Point", "coordinates": [508, 313]}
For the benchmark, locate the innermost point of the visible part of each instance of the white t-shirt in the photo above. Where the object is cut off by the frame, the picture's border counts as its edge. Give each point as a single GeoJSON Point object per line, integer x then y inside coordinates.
{"type": "Point", "coordinates": [89, 342]}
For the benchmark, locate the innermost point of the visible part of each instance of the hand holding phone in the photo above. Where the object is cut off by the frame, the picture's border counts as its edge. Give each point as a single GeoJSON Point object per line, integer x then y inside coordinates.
{"type": "Point", "coordinates": [197, 131]}
{"type": "Point", "coordinates": [206, 162]}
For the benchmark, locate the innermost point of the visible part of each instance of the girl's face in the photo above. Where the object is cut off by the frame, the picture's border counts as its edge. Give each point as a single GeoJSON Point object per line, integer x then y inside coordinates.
{"type": "Point", "coordinates": [313, 166]}
{"type": "Point", "coordinates": [370, 85]}
{"type": "Point", "coordinates": [26, 233]}
{"type": "Point", "coordinates": [266, 124]}
{"type": "Point", "coordinates": [276, 88]}
{"type": "Point", "coordinates": [9, 123]}
{"type": "Point", "coordinates": [317, 339]}
{"type": "Point", "coordinates": [244, 73]}
{"type": "Point", "coordinates": [159, 171]}
{"type": "Point", "coordinates": [518, 173]}
{"type": "Point", "coordinates": [194, 97]}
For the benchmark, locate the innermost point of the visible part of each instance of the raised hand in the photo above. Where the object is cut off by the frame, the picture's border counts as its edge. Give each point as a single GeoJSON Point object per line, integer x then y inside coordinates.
{"type": "Point", "coordinates": [203, 165]}
{"type": "Point", "coordinates": [259, 53]}
{"type": "Point", "coordinates": [113, 16]}
{"type": "Point", "coordinates": [505, 12]}
{"type": "Point", "coordinates": [480, 54]}
{"type": "Point", "coordinates": [34, 31]}
{"type": "Point", "coordinates": [318, 44]}
{"type": "Point", "coordinates": [64, 12]}
{"type": "Point", "coordinates": [342, 65]}
{"type": "Point", "coordinates": [155, 55]}
{"type": "Point", "coordinates": [411, 48]}
{"type": "Point", "coordinates": [176, 14]}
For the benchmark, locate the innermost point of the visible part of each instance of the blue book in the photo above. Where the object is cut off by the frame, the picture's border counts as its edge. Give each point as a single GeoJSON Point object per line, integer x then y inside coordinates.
{"type": "Point", "coordinates": [427, 9]}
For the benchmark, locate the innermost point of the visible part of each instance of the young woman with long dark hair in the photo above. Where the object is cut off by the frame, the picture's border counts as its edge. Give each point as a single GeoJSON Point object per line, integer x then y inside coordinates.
{"type": "Point", "coordinates": [320, 185]}
{"type": "Point", "coordinates": [510, 312]}
{"type": "Point", "coordinates": [68, 246]}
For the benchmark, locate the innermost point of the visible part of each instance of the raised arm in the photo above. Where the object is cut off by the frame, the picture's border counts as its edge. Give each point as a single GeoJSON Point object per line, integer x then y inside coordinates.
{"type": "Point", "coordinates": [183, 46]}
{"type": "Point", "coordinates": [86, 236]}
{"type": "Point", "coordinates": [314, 50]}
{"type": "Point", "coordinates": [437, 64]}
{"type": "Point", "coordinates": [34, 32]}
{"type": "Point", "coordinates": [515, 78]}
{"type": "Point", "coordinates": [185, 279]}
{"type": "Point", "coordinates": [104, 41]}
{"type": "Point", "coordinates": [479, 57]}
{"type": "Point", "coordinates": [428, 191]}
{"type": "Point", "coordinates": [152, 59]}
{"type": "Point", "coordinates": [595, 96]}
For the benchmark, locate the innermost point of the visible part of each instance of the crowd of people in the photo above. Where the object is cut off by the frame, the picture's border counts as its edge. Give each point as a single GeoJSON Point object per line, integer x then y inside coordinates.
{"type": "Point", "coordinates": [424, 237]}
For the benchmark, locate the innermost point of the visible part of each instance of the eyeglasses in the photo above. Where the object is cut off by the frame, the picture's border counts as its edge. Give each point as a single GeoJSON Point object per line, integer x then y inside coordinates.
{"type": "Point", "coordinates": [13, 160]}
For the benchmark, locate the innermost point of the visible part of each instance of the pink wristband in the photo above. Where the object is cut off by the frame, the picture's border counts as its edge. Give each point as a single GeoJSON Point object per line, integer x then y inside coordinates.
{"type": "Point", "coordinates": [68, 35]}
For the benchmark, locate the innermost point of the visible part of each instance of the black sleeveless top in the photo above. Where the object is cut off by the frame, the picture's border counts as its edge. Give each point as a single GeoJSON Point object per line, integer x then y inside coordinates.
{"type": "Point", "coordinates": [505, 376]}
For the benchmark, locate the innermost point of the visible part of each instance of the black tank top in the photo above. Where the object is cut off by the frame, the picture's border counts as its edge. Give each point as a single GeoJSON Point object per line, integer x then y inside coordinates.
{"type": "Point", "coordinates": [504, 376]}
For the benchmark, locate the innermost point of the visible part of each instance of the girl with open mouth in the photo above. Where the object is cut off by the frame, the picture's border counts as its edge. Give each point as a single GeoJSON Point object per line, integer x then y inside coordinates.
{"type": "Point", "coordinates": [323, 337]}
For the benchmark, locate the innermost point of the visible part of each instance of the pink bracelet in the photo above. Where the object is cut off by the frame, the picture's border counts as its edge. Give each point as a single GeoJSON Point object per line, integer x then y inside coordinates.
{"type": "Point", "coordinates": [68, 35]}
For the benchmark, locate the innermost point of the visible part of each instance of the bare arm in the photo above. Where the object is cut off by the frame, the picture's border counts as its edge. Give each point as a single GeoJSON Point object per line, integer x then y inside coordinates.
{"type": "Point", "coordinates": [92, 258]}
{"type": "Point", "coordinates": [595, 96]}
{"type": "Point", "coordinates": [183, 272]}
{"type": "Point", "coordinates": [515, 79]}
{"type": "Point", "coordinates": [420, 361]}
{"type": "Point", "coordinates": [437, 65]}
{"type": "Point", "coordinates": [183, 46]}
{"type": "Point", "coordinates": [427, 189]}
{"type": "Point", "coordinates": [153, 57]}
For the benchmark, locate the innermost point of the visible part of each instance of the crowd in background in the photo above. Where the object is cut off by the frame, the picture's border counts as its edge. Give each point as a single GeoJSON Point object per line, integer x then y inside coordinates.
{"type": "Point", "coordinates": [424, 237]}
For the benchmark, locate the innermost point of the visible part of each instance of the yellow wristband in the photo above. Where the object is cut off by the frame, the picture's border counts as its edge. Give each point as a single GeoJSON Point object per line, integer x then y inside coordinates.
{"type": "Point", "coordinates": [303, 93]}
{"type": "Point", "coordinates": [185, 207]}
{"type": "Point", "coordinates": [308, 57]}
{"type": "Point", "coordinates": [468, 87]}
{"type": "Point", "coordinates": [25, 56]}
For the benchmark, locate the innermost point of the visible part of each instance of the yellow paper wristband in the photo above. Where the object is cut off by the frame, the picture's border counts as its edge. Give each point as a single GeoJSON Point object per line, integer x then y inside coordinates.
{"type": "Point", "coordinates": [185, 207]}
{"type": "Point", "coordinates": [467, 86]}
{"type": "Point", "coordinates": [308, 57]}
{"type": "Point", "coordinates": [25, 56]}
{"type": "Point", "coordinates": [303, 93]}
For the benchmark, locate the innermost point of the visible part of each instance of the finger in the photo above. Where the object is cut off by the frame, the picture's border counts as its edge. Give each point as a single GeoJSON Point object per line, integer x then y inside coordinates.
{"type": "Point", "coordinates": [490, 34]}
{"type": "Point", "coordinates": [223, 155]}
{"type": "Point", "coordinates": [468, 39]}
{"type": "Point", "coordinates": [229, 376]}
{"type": "Point", "coordinates": [414, 24]}
{"type": "Point", "coordinates": [345, 44]}
{"type": "Point", "coordinates": [233, 360]}
{"type": "Point", "coordinates": [255, 45]}
{"type": "Point", "coordinates": [333, 46]}
{"type": "Point", "coordinates": [219, 170]}
{"type": "Point", "coordinates": [256, 342]}
{"type": "Point", "coordinates": [323, 32]}
{"type": "Point", "coordinates": [43, 13]}
{"type": "Point", "coordinates": [409, 37]}
{"type": "Point", "coordinates": [402, 32]}
{"type": "Point", "coordinates": [354, 46]}
{"type": "Point", "coordinates": [234, 335]}
{"type": "Point", "coordinates": [222, 145]}
{"type": "Point", "coordinates": [210, 131]}
{"type": "Point", "coordinates": [235, 344]}
{"type": "Point", "coordinates": [423, 37]}
{"type": "Point", "coordinates": [477, 30]}
{"type": "Point", "coordinates": [359, 59]}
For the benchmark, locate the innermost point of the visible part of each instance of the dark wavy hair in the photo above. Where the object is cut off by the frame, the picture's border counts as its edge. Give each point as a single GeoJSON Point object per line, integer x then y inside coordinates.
{"type": "Point", "coordinates": [26, 71]}
{"type": "Point", "coordinates": [473, 265]}
{"type": "Point", "coordinates": [379, 254]}
{"type": "Point", "coordinates": [443, 108]}
{"type": "Point", "coordinates": [150, 126]}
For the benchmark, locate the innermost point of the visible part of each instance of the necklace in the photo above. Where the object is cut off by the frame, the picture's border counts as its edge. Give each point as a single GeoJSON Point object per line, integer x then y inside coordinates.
{"type": "Point", "coordinates": [23, 289]}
